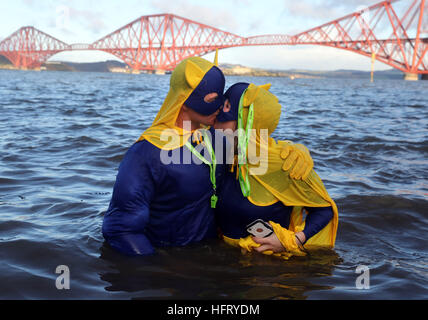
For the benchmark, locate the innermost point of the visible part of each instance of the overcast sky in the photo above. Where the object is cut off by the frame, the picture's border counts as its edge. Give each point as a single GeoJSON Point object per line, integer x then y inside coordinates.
{"type": "Point", "coordinates": [84, 21]}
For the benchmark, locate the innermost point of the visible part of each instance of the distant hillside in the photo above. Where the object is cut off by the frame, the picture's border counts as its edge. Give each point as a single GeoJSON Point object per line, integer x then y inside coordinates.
{"type": "Point", "coordinates": [239, 70]}
{"type": "Point", "coordinates": [6, 64]}
{"type": "Point", "coordinates": [228, 69]}
{"type": "Point", "coordinates": [352, 74]}
{"type": "Point", "coordinates": [4, 61]}
{"type": "Point", "coordinates": [103, 66]}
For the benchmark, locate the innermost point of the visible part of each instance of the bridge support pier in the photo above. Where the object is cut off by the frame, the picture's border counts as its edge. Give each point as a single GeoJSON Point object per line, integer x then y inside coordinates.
{"type": "Point", "coordinates": [159, 71]}
{"type": "Point", "coordinates": [424, 77]}
{"type": "Point", "coordinates": [411, 76]}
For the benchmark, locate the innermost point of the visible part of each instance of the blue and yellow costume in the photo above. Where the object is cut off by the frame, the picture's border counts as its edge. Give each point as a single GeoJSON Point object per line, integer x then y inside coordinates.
{"type": "Point", "coordinates": [271, 194]}
{"type": "Point", "coordinates": [159, 199]}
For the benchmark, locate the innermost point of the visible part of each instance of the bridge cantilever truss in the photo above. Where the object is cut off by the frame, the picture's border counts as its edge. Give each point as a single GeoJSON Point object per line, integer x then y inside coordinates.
{"type": "Point", "coordinates": [395, 36]}
{"type": "Point", "coordinates": [162, 41]}
{"type": "Point", "coordinates": [399, 41]}
{"type": "Point", "coordinates": [28, 47]}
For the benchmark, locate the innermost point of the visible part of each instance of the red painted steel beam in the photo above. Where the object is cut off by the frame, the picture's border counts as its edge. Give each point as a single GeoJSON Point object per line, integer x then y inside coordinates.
{"type": "Point", "coordinates": [358, 34]}
{"type": "Point", "coordinates": [161, 41]}
{"type": "Point", "coordinates": [28, 47]}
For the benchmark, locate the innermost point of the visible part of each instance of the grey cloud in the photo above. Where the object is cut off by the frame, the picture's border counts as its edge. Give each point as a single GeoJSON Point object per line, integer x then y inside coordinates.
{"type": "Point", "coordinates": [221, 19]}
{"type": "Point", "coordinates": [30, 3]}
{"type": "Point", "coordinates": [90, 19]}
{"type": "Point", "coordinates": [325, 10]}
{"type": "Point", "coordinates": [64, 29]}
{"type": "Point", "coordinates": [62, 15]}
{"type": "Point", "coordinates": [350, 3]}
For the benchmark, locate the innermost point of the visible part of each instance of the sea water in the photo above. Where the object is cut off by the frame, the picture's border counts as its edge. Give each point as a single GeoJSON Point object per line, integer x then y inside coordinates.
{"type": "Point", "coordinates": [63, 135]}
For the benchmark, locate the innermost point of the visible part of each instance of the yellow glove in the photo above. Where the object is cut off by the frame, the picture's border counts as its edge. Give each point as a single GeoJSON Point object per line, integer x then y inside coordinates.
{"type": "Point", "coordinates": [297, 160]}
{"type": "Point", "coordinates": [287, 239]}
{"type": "Point", "coordinates": [285, 236]}
{"type": "Point", "coordinates": [247, 244]}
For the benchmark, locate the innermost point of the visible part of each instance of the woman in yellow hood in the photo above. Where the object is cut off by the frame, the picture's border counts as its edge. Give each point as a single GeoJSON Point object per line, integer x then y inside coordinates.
{"type": "Point", "coordinates": [299, 210]}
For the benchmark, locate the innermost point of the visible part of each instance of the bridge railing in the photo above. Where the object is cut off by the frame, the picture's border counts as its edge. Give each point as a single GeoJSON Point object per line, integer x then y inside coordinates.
{"type": "Point", "coordinates": [80, 46]}
{"type": "Point", "coordinates": [268, 39]}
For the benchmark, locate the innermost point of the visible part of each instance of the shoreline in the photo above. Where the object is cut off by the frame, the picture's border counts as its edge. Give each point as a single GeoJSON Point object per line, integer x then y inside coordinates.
{"type": "Point", "coordinates": [111, 66]}
{"type": "Point", "coordinates": [240, 71]}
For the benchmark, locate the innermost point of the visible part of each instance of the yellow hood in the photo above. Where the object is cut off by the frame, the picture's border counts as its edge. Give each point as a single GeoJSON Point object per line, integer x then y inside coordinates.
{"type": "Point", "coordinates": [269, 183]}
{"type": "Point", "coordinates": [163, 133]}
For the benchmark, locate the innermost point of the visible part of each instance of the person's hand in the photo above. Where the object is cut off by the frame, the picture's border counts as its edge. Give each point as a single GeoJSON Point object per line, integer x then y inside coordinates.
{"type": "Point", "coordinates": [297, 160]}
{"type": "Point", "coordinates": [269, 243]}
{"type": "Point", "coordinates": [300, 239]}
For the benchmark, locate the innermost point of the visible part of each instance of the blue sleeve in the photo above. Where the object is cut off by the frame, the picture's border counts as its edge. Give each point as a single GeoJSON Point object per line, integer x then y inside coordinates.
{"type": "Point", "coordinates": [316, 220]}
{"type": "Point", "coordinates": [128, 214]}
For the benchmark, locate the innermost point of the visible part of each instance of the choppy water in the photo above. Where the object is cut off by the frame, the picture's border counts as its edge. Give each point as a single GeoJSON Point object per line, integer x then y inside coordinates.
{"type": "Point", "coordinates": [63, 135]}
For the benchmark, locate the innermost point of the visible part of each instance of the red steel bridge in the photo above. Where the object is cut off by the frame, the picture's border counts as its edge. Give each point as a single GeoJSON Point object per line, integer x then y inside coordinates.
{"type": "Point", "coordinates": [394, 32]}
